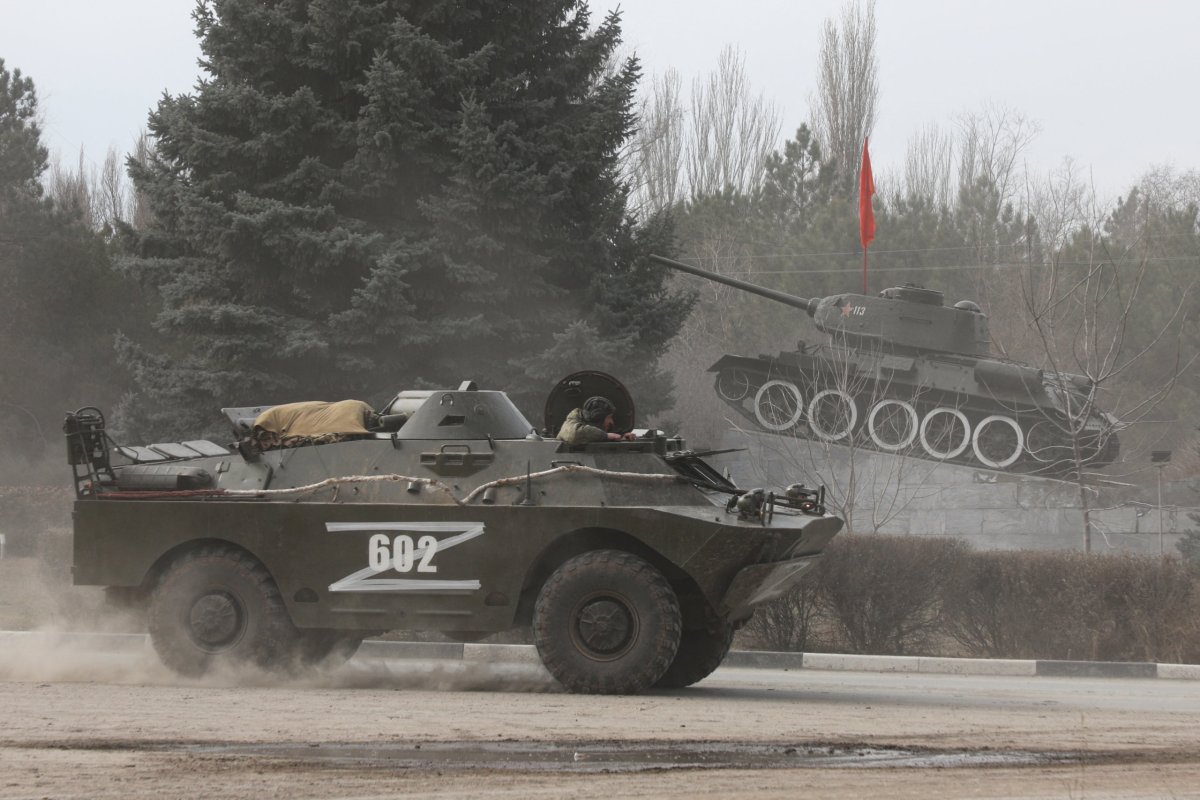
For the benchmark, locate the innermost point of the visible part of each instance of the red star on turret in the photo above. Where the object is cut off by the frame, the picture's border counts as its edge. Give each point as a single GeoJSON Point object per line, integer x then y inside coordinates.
{"type": "Point", "coordinates": [846, 309]}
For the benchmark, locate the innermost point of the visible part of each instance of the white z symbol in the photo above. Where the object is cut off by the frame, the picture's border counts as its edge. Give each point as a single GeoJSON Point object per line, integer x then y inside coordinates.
{"type": "Point", "coordinates": [402, 555]}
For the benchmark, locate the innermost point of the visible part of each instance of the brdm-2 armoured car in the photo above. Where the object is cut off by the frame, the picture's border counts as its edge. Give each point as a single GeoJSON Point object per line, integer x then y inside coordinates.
{"type": "Point", "coordinates": [633, 561]}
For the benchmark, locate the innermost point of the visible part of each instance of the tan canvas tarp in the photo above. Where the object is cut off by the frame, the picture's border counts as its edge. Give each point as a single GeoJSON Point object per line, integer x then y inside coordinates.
{"type": "Point", "coordinates": [314, 419]}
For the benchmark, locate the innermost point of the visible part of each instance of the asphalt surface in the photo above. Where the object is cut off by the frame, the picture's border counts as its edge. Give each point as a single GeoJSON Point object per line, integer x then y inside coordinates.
{"type": "Point", "coordinates": [97, 716]}
{"type": "Point", "coordinates": [751, 659]}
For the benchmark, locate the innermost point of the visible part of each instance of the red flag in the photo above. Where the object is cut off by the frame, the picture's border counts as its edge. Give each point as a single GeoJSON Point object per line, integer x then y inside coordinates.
{"type": "Point", "coordinates": [866, 188]}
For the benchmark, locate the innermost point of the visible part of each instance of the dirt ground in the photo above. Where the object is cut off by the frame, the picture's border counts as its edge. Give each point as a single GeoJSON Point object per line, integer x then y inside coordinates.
{"type": "Point", "coordinates": [90, 724]}
{"type": "Point", "coordinates": [112, 725]}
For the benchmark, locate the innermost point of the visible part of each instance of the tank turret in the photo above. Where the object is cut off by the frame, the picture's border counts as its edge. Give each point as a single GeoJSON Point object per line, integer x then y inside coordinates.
{"type": "Point", "coordinates": [902, 318]}
{"type": "Point", "coordinates": [904, 373]}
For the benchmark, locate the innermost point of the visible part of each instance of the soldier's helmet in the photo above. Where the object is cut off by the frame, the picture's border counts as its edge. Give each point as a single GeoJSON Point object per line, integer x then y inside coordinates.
{"type": "Point", "coordinates": [596, 410]}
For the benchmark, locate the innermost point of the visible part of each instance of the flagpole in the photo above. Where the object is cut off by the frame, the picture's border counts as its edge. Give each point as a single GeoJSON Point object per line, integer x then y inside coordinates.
{"type": "Point", "coordinates": [864, 270]}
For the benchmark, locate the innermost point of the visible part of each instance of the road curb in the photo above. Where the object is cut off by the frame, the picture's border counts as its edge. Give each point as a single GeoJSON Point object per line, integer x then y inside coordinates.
{"type": "Point", "coordinates": [742, 659]}
{"type": "Point", "coordinates": [1097, 669]}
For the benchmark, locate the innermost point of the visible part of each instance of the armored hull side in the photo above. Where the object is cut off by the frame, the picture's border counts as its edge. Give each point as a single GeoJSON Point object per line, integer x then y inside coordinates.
{"type": "Point", "coordinates": [632, 561]}
{"type": "Point", "coordinates": [317, 542]}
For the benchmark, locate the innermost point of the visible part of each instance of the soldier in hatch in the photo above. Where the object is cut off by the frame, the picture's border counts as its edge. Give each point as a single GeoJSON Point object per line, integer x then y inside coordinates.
{"type": "Point", "coordinates": [592, 423]}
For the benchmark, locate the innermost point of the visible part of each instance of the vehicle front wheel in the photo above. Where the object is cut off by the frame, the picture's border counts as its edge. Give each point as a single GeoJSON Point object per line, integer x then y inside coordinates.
{"type": "Point", "coordinates": [219, 606]}
{"type": "Point", "coordinates": [700, 653]}
{"type": "Point", "coordinates": [607, 622]}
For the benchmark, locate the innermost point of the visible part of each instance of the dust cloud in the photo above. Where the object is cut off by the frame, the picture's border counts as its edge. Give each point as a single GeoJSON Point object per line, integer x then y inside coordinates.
{"type": "Point", "coordinates": [68, 657]}
{"type": "Point", "coordinates": [53, 631]}
{"type": "Point", "coordinates": [437, 675]}
{"type": "Point", "coordinates": [61, 657]}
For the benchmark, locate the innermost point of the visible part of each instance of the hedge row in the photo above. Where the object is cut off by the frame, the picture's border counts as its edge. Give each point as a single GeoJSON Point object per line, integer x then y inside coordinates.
{"type": "Point", "coordinates": [902, 595]}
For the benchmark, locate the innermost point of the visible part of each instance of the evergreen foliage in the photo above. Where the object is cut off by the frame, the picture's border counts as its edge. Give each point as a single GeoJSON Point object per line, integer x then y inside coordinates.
{"type": "Point", "coordinates": [368, 195]}
{"type": "Point", "coordinates": [57, 298]}
{"type": "Point", "coordinates": [22, 156]}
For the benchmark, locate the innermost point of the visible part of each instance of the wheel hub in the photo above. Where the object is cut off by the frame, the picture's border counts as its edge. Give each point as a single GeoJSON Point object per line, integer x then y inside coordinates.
{"type": "Point", "coordinates": [215, 620]}
{"type": "Point", "coordinates": [605, 627]}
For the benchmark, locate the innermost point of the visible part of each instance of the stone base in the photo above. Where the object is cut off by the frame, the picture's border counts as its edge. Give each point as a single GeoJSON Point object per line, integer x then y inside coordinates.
{"type": "Point", "coordinates": [900, 494]}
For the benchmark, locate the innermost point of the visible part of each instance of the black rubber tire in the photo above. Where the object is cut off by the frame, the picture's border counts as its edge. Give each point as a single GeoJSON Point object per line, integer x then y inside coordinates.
{"type": "Point", "coordinates": [607, 622]}
{"type": "Point", "coordinates": [218, 606]}
{"type": "Point", "coordinates": [700, 653]}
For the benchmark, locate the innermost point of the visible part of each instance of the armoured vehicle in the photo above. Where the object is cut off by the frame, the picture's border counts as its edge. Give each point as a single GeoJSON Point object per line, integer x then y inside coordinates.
{"type": "Point", "coordinates": [633, 561]}
{"type": "Point", "coordinates": [904, 373]}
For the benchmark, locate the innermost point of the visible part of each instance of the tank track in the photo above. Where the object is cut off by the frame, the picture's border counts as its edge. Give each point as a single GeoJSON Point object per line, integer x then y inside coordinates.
{"type": "Point", "coordinates": [804, 398]}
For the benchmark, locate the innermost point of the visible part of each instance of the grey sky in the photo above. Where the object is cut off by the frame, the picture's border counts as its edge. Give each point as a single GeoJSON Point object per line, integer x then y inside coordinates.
{"type": "Point", "coordinates": [1108, 82]}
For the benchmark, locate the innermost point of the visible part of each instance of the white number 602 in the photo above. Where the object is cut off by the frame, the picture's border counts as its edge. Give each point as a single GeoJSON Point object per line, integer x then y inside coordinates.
{"type": "Point", "coordinates": [384, 552]}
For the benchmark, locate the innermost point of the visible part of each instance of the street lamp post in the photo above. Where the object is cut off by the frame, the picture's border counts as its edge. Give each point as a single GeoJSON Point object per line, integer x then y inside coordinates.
{"type": "Point", "coordinates": [1160, 458]}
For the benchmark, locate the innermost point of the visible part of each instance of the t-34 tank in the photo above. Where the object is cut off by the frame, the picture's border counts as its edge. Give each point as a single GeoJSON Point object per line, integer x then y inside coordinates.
{"type": "Point", "coordinates": [633, 561]}
{"type": "Point", "coordinates": [904, 373]}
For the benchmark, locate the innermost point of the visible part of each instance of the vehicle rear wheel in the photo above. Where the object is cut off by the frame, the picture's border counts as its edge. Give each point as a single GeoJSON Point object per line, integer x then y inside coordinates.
{"type": "Point", "coordinates": [219, 606]}
{"type": "Point", "coordinates": [607, 622]}
{"type": "Point", "coordinates": [700, 653]}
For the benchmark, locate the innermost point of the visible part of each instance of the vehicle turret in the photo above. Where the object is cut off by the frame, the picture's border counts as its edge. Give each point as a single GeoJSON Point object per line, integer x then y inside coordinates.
{"type": "Point", "coordinates": [900, 319]}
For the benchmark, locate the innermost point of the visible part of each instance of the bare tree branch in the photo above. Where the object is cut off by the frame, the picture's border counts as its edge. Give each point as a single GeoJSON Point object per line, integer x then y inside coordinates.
{"type": "Point", "coordinates": [847, 85]}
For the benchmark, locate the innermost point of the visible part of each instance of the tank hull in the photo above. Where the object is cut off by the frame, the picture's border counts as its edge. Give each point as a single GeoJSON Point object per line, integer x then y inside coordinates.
{"type": "Point", "coordinates": [984, 413]}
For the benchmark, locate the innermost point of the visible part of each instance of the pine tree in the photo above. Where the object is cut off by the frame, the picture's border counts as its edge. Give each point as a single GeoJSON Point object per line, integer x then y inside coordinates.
{"type": "Point", "coordinates": [363, 196]}
{"type": "Point", "coordinates": [59, 302]}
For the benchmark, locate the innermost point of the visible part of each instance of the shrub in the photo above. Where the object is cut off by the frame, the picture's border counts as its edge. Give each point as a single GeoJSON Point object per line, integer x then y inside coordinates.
{"type": "Point", "coordinates": [790, 623]}
{"type": "Point", "coordinates": [1150, 607]}
{"type": "Point", "coordinates": [894, 595]}
{"type": "Point", "coordinates": [1023, 605]}
{"type": "Point", "coordinates": [883, 593]}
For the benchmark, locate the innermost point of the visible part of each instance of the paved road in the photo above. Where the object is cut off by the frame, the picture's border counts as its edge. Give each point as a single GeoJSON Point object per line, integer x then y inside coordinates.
{"type": "Point", "coordinates": [117, 725]}
{"type": "Point", "coordinates": [1081, 695]}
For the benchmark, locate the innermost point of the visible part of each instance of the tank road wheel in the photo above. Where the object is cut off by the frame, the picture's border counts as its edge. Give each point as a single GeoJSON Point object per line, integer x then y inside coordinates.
{"type": "Point", "coordinates": [832, 414]}
{"type": "Point", "coordinates": [733, 384]}
{"type": "Point", "coordinates": [997, 441]}
{"type": "Point", "coordinates": [607, 622]}
{"type": "Point", "coordinates": [892, 425]}
{"type": "Point", "coordinates": [700, 653]}
{"type": "Point", "coordinates": [945, 432]}
{"type": "Point", "coordinates": [219, 606]}
{"type": "Point", "coordinates": [778, 405]}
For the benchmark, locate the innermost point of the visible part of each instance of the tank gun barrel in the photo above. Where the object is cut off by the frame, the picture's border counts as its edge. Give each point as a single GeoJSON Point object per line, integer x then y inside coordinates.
{"type": "Point", "coordinates": [779, 297]}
